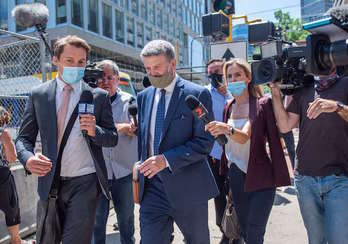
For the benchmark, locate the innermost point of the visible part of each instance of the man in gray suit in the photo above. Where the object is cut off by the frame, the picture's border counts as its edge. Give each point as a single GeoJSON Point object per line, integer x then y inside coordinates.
{"type": "Point", "coordinates": [82, 174]}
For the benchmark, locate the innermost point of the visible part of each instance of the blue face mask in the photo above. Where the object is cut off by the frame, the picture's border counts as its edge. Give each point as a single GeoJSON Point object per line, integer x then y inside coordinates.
{"type": "Point", "coordinates": [72, 75]}
{"type": "Point", "coordinates": [236, 88]}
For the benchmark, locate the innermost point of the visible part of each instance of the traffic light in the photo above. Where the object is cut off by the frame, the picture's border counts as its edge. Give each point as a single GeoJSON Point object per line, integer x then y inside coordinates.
{"type": "Point", "coordinates": [216, 25]}
{"type": "Point", "coordinates": [227, 6]}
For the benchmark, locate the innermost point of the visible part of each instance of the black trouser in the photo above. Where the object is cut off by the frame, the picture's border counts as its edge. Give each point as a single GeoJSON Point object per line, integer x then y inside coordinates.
{"type": "Point", "coordinates": [252, 208]}
{"type": "Point", "coordinates": [77, 201]}
{"type": "Point", "coordinates": [220, 200]}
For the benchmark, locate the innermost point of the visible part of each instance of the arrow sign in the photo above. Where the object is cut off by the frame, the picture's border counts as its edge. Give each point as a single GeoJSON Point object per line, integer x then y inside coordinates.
{"type": "Point", "coordinates": [228, 55]}
{"type": "Point", "coordinates": [229, 50]}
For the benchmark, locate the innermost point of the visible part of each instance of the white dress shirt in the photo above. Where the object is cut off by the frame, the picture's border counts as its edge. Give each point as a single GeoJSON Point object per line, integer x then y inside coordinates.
{"type": "Point", "coordinates": [76, 158]}
{"type": "Point", "coordinates": [169, 92]}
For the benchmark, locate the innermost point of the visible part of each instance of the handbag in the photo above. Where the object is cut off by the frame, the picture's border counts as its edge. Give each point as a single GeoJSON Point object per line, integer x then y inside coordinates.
{"type": "Point", "coordinates": [136, 183]}
{"type": "Point", "coordinates": [230, 224]}
{"type": "Point", "coordinates": [48, 222]}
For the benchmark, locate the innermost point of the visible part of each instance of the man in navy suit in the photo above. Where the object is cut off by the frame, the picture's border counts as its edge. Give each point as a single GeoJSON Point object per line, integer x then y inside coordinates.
{"type": "Point", "coordinates": [175, 181]}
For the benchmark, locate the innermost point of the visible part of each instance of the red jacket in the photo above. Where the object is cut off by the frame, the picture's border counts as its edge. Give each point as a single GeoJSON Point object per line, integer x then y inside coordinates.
{"type": "Point", "coordinates": [263, 171]}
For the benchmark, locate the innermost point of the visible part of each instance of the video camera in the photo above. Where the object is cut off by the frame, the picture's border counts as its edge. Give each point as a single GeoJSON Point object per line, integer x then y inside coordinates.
{"type": "Point", "coordinates": [326, 48]}
{"type": "Point", "coordinates": [93, 74]}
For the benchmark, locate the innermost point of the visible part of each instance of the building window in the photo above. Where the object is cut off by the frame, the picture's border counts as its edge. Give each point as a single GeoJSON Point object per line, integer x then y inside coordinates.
{"type": "Point", "coordinates": [157, 35]}
{"type": "Point", "coordinates": [77, 12]}
{"type": "Point", "coordinates": [152, 15]}
{"type": "Point", "coordinates": [135, 7]}
{"type": "Point", "coordinates": [130, 31]}
{"type": "Point", "coordinates": [163, 37]}
{"type": "Point", "coordinates": [148, 34]}
{"type": "Point", "coordinates": [119, 26]}
{"type": "Point", "coordinates": [3, 15]}
{"type": "Point", "coordinates": [174, 8]}
{"type": "Point", "coordinates": [160, 18]}
{"type": "Point", "coordinates": [40, 1]}
{"type": "Point", "coordinates": [165, 23]}
{"type": "Point", "coordinates": [143, 10]}
{"type": "Point", "coordinates": [93, 16]}
{"type": "Point", "coordinates": [140, 35]}
{"type": "Point", "coordinates": [107, 21]}
{"type": "Point", "coordinates": [172, 27]}
{"type": "Point", "coordinates": [60, 11]}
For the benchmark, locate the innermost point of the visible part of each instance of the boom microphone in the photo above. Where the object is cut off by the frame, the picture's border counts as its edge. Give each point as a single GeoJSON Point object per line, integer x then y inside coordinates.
{"type": "Point", "coordinates": [200, 112]}
{"type": "Point", "coordinates": [86, 106]}
{"type": "Point", "coordinates": [31, 14]}
{"type": "Point", "coordinates": [339, 12]}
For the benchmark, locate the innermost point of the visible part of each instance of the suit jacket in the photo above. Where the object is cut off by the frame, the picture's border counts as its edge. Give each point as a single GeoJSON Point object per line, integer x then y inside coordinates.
{"type": "Point", "coordinates": [263, 171]}
{"type": "Point", "coordinates": [40, 116]}
{"type": "Point", "coordinates": [184, 143]}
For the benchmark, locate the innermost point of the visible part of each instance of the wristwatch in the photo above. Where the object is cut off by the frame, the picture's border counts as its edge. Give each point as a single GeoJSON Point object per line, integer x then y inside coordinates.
{"type": "Point", "coordinates": [231, 132]}
{"type": "Point", "coordinates": [340, 106]}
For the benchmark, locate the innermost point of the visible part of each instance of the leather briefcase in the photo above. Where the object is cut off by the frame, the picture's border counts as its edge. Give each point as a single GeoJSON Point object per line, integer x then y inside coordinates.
{"type": "Point", "coordinates": [136, 183]}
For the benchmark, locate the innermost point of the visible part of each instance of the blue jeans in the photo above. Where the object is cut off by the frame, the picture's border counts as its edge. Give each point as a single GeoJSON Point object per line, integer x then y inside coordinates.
{"type": "Point", "coordinates": [323, 203]}
{"type": "Point", "coordinates": [121, 191]}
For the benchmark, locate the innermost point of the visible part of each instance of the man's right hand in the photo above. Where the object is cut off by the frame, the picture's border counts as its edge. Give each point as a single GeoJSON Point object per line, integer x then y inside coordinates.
{"type": "Point", "coordinates": [39, 165]}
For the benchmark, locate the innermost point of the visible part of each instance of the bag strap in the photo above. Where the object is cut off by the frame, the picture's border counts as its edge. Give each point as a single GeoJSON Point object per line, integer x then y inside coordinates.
{"type": "Point", "coordinates": [56, 180]}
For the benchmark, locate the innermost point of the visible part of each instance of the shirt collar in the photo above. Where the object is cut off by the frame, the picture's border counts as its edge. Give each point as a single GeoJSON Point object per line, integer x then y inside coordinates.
{"type": "Point", "coordinates": [76, 86]}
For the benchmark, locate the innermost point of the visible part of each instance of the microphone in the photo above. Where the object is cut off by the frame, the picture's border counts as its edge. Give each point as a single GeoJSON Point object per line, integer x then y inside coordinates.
{"type": "Point", "coordinates": [339, 12]}
{"type": "Point", "coordinates": [86, 106]}
{"type": "Point", "coordinates": [200, 112]}
{"type": "Point", "coordinates": [133, 111]}
{"type": "Point", "coordinates": [31, 14]}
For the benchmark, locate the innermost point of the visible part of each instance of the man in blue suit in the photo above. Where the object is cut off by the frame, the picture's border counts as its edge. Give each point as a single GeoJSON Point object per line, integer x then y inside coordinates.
{"type": "Point", "coordinates": [175, 181]}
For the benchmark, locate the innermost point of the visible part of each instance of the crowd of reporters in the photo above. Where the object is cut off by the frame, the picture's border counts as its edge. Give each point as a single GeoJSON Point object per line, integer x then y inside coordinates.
{"type": "Point", "coordinates": [181, 167]}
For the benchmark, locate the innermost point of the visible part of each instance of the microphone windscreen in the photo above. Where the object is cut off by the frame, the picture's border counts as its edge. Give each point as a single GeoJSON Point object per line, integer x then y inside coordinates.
{"type": "Point", "coordinates": [192, 102]}
{"type": "Point", "coordinates": [30, 14]}
{"type": "Point", "coordinates": [339, 12]}
{"type": "Point", "coordinates": [86, 97]}
{"type": "Point", "coordinates": [133, 109]}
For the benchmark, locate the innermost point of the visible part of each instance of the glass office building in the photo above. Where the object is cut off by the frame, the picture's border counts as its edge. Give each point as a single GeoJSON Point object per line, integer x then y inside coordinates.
{"type": "Point", "coordinates": [119, 29]}
{"type": "Point", "coordinates": [312, 10]}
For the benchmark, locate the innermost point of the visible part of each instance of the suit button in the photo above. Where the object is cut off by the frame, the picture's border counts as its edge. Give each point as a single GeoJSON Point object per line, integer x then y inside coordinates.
{"type": "Point", "coordinates": [187, 154]}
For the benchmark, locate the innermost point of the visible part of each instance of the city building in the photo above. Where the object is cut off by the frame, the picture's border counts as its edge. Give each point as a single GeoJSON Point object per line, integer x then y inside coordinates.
{"type": "Point", "coordinates": [312, 10]}
{"type": "Point", "coordinates": [119, 29]}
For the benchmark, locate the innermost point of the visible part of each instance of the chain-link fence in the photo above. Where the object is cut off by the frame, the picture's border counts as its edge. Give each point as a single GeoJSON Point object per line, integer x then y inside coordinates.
{"type": "Point", "coordinates": [21, 65]}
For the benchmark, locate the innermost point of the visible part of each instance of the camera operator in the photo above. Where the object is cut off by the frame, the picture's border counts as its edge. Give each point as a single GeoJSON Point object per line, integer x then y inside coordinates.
{"type": "Point", "coordinates": [9, 199]}
{"type": "Point", "coordinates": [321, 169]}
{"type": "Point", "coordinates": [119, 160]}
{"type": "Point", "coordinates": [217, 89]}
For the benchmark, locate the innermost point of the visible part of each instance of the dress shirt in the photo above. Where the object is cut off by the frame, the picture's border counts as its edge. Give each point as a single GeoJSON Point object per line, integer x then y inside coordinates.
{"type": "Point", "coordinates": [219, 102]}
{"type": "Point", "coordinates": [169, 92]}
{"type": "Point", "coordinates": [76, 158]}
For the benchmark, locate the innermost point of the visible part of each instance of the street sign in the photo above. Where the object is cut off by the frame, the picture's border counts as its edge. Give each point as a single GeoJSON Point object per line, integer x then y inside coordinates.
{"type": "Point", "coordinates": [229, 50]}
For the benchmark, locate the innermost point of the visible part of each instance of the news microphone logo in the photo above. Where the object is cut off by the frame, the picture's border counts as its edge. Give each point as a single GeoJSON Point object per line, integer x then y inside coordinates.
{"type": "Point", "coordinates": [199, 112]}
{"type": "Point", "coordinates": [86, 108]}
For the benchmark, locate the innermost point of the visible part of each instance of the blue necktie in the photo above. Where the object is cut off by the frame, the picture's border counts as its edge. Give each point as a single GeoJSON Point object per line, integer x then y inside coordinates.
{"type": "Point", "coordinates": [161, 108]}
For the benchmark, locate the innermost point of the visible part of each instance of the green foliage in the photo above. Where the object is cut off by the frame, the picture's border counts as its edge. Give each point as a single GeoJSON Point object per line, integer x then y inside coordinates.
{"type": "Point", "coordinates": [292, 27]}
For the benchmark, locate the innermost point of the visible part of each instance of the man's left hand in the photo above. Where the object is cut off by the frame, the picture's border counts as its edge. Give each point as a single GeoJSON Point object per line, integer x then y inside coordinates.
{"type": "Point", "coordinates": [87, 122]}
{"type": "Point", "coordinates": [152, 166]}
{"type": "Point", "coordinates": [319, 106]}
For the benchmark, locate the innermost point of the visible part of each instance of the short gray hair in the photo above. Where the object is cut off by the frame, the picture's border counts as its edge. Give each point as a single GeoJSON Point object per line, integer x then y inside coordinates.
{"type": "Point", "coordinates": [107, 62]}
{"type": "Point", "coordinates": [158, 47]}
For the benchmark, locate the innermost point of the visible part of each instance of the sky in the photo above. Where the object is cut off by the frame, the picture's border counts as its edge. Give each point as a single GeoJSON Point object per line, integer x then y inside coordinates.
{"type": "Point", "coordinates": [265, 9]}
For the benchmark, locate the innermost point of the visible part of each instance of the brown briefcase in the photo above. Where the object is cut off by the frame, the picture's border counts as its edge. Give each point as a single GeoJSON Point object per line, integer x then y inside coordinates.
{"type": "Point", "coordinates": [136, 184]}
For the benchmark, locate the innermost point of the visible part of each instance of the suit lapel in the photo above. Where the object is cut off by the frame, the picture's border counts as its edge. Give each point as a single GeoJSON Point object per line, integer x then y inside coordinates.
{"type": "Point", "coordinates": [174, 102]}
{"type": "Point", "coordinates": [147, 116]}
{"type": "Point", "coordinates": [53, 127]}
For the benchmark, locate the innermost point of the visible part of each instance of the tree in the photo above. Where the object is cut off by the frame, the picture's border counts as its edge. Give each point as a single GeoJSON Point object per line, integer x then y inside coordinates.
{"type": "Point", "coordinates": [291, 27]}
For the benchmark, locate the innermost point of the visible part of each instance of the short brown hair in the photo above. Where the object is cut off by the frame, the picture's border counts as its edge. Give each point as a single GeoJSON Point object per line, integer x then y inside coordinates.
{"type": "Point", "coordinates": [213, 61]}
{"type": "Point", "coordinates": [70, 40]}
{"type": "Point", "coordinates": [254, 90]}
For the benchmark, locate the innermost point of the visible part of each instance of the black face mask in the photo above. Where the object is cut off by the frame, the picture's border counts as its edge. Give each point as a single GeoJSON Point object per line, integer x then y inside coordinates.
{"type": "Point", "coordinates": [215, 80]}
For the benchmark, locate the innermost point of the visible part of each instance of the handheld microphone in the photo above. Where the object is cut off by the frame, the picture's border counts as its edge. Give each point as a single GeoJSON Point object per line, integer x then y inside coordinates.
{"type": "Point", "coordinates": [31, 14]}
{"type": "Point", "coordinates": [200, 112]}
{"type": "Point", "coordinates": [133, 111]}
{"type": "Point", "coordinates": [86, 106]}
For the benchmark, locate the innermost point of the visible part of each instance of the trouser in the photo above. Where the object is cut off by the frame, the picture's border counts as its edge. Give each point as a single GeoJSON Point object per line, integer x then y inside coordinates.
{"type": "Point", "coordinates": [252, 208]}
{"type": "Point", "coordinates": [323, 203]}
{"type": "Point", "coordinates": [121, 191]}
{"type": "Point", "coordinates": [157, 218]}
